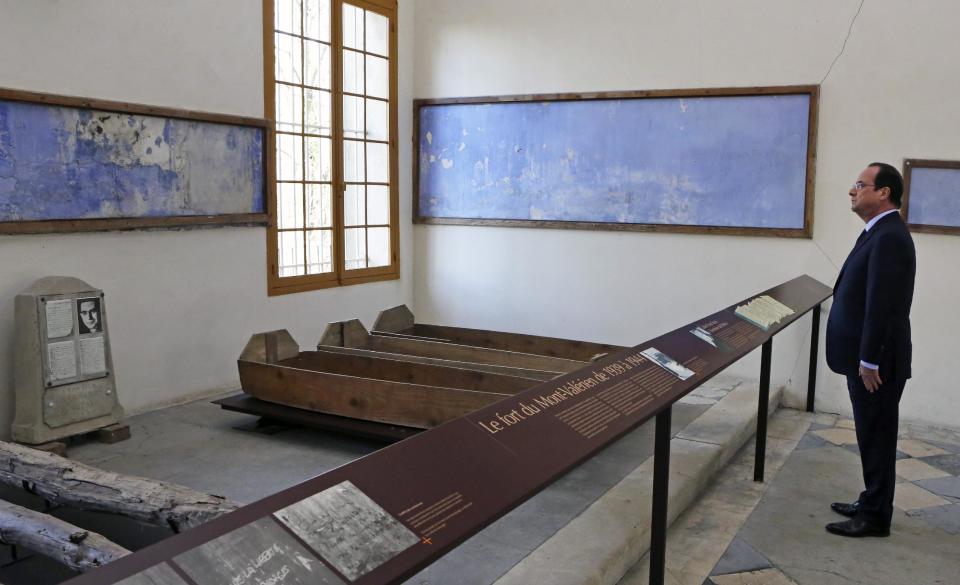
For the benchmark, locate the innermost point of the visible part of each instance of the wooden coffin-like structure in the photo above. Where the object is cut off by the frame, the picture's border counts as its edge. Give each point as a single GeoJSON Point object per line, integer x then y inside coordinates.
{"type": "Point", "coordinates": [399, 322]}
{"type": "Point", "coordinates": [367, 387]}
{"type": "Point", "coordinates": [406, 374]}
{"type": "Point", "coordinates": [353, 338]}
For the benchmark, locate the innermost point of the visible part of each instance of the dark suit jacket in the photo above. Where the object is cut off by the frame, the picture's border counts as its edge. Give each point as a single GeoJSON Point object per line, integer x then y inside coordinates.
{"type": "Point", "coordinates": [870, 316]}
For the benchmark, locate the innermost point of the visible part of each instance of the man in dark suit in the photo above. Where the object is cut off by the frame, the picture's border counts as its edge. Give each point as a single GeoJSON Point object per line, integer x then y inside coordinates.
{"type": "Point", "coordinates": [868, 340]}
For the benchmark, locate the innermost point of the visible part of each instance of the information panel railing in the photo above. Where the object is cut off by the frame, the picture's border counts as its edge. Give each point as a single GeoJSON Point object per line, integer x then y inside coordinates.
{"type": "Point", "coordinates": [382, 518]}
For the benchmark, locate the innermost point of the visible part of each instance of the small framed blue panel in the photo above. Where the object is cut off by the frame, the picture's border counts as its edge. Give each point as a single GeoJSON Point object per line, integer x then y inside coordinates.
{"type": "Point", "coordinates": [931, 198]}
{"type": "Point", "coordinates": [70, 164]}
{"type": "Point", "coordinates": [722, 161]}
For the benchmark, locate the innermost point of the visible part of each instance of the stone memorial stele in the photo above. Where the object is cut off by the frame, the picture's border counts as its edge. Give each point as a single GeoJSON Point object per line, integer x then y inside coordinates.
{"type": "Point", "coordinates": [63, 370]}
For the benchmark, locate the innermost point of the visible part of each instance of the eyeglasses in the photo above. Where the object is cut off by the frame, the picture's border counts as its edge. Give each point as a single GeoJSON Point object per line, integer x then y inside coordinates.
{"type": "Point", "coordinates": [860, 185]}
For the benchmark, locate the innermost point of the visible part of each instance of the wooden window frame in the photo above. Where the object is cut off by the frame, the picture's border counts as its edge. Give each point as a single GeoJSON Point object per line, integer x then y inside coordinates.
{"type": "Point", "coordinates": [79, 222]}
{"type": "Point", "coordinates": [806, 231]}
{"type": "Point", "coordinates": [908, 165]}
{"type": "Point", "coordinates": [340, 276]}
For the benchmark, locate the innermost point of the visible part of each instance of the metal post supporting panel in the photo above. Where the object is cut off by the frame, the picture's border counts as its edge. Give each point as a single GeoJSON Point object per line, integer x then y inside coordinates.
{"type": "Point", "coordinates": [814, 343]}
{"type": "Point", "coordinates": [762, 409]}
{"type": "Point", "coordinates": [661, 479]}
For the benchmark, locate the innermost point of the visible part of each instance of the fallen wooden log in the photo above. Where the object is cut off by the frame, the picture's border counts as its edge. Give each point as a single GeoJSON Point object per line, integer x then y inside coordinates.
{"type": "Point", "coordinates": [78, 549]}
{"type": "Point", "coordinates": [68, 483]}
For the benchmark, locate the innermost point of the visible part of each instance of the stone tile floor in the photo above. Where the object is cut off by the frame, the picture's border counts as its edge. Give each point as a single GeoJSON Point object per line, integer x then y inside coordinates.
{"type": "Point", "coordinates": [928, 472]}
{"type": "Point", "coordinates": [744, 533]}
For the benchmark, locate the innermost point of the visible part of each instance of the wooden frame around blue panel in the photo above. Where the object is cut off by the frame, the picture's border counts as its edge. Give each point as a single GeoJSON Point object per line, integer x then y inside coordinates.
{"type": "Point", "coordinates": [931, 196]}
{"type": "Point", "coordinates": [620, 206]}
{"type": "Point", "coordinates": [98, 176]}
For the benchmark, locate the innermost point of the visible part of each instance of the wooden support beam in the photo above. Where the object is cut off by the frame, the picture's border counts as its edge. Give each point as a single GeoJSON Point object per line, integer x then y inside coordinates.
{"type": "Point", "coordinates": [55, 447]}
{"type": "Point", "coordinates": [78, 549]}
{"type": "Point", "coordinates": [111, 434]}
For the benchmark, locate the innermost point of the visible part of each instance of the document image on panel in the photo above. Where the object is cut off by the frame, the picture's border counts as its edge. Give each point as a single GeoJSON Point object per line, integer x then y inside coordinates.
{"type": "Point", "coordinates": [59, 317]}
{"type": "Point", "coordinates": [61, 360]}
{"type": "Point", "coordinates": [705, 335]}
{"type": "Point", "coordinates": [711, 338]}
{"type": "Point", "coordinates": [92, 355]}
{"type": "Point", "coordinates": [258, 553]}
{"type": "Point", "coordinates": [348, 529]}
{"type": "Point", "coordinates": [667, 363]}
{"type": "Point", "coordinates": [764, 312]}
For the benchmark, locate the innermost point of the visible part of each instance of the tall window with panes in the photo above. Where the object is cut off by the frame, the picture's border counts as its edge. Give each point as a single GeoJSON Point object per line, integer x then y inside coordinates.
{"type": "Point", "coordinates": [333, 100]}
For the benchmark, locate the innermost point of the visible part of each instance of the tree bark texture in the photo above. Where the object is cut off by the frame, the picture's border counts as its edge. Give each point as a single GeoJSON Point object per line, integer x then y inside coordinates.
{"type": "Point", "coordinates": [68, 483]}
{"type": "Point", "coordinates": [78, 549]}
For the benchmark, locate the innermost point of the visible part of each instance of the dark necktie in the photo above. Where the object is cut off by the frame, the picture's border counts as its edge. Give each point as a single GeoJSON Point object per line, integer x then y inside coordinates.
{"type": "Point", "coordinates": [862, 235]}
{"type": "Point", "coordinates": [860, 238]}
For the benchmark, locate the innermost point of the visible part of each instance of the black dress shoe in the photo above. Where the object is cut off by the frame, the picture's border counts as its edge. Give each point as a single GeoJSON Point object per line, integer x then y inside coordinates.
{"type": "Point", "coordinates": [848, 510]}
{"type": "Point", "coordinates": [857, 527]}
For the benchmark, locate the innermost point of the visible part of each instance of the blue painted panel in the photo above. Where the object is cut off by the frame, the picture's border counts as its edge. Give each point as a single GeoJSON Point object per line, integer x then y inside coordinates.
{"type": "Point", "coordinates": [737, 161]}
{"type": "Point", "coordinates": [71, 163]}
{"type": "Point", "coordinates": [934, 197]}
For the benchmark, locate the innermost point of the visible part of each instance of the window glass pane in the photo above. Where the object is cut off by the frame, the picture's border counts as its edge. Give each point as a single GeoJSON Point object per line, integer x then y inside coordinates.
{"type": "Point", "coordinates": [309, 232]}
{"type": "Point", "coordinates": [353, 205]}
{"type": "Point", "coordinates": [377, 28]}
{"type": "Point", "coordinates": [289, 108]}
{"type": "Point", "coordinates": [319, 164]}
{"type": "Point", "coordinates": [353, 126]}
{"type": "Point", "coordinates": [353, 171]}
{"type": "Point", "coordinates": [287, 58]}
{"type": "Point", "coordinates": [377, 120]}
{"type": "Point", "coordinates": [319, 112]}
{"type": "Point", "coordinates": [319, 251]}
{"type": "Point", "coordinates": [378, 204]}
{"type": "Point", "coordinates": [352, 72]}
{"type": "Point", "coordinates": [317, 63]}
{"type": "Point", "coordinates": [317, 14]}
{"type": "Point", "coordinates": [377, 71]}
{"type": "Point", "coordinates": [355, 248]}
{"type": "Point", "coordinates": [286, 15]}
{"type": "Point", "coordinates": [289, 158]}
{"type": "Point", "coordinates": [378, 242]}
{"type": "Point", "coordinates": [378, 162]}
{"type": "Point", "coordinates": [290, 250]}
{"type": "Point", "coordinates": [319, 206]}
{"type": "Point", "coordinates": [290, 205]}
{"type": "Point", "coordinates": [352, 27]}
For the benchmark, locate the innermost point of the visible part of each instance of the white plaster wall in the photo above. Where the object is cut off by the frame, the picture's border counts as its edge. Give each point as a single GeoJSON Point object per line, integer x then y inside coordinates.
{"type": "Point", "coordinates": [181, 304]}
{"type": "Point", "coordinates": [889, 96]}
